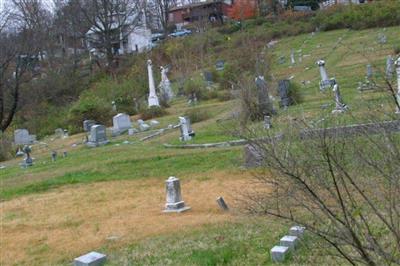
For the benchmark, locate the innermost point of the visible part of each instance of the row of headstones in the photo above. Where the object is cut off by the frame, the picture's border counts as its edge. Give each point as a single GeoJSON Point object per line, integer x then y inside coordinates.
{"type": "Point", "coordinates": [174, 204]}
{"type": "Point", "coordinates": [327, 83]}
{"type": "Point", "coordinates": [287, 244]}
{"type": "Point", "coordinates": [122, 123]}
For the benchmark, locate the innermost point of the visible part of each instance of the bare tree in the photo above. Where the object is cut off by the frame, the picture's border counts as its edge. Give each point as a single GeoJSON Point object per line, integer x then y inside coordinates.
{"type": "Point", "coordinates": [343, 189]}
{"type": "Point", "coordinates": [34, 20]}
{"type": "Point", "coordinates": [111, 22]}
{"type": "Point", "coordinates": [161, 10]}
{"type": "Point", "coordinates": [13, 65]}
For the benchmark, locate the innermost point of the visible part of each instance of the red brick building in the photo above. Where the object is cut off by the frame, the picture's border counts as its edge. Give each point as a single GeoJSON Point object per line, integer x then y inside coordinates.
{"type": "Point", "coordinates": [213, 10]}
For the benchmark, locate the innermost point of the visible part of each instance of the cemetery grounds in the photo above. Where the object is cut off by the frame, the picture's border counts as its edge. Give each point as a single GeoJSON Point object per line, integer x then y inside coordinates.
{"type": "Point", "coordinates": [110, 198]}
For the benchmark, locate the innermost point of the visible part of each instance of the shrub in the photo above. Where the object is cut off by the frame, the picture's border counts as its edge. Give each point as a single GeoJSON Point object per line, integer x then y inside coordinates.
{"type": "Point", "coordinates": [228, 76]}
{"type": "Point", "coordinates": [152, 112]}
{"type": "Point", "coordinates": [225, 95]}
{"type": "Point", "coordinates": [295, 93]}
{"type": "Point", "coordinates": [197, 114]}
{"type": "Point", "coordinates": [89, 106]}
{"type": "Point", "coordinates": [194, 86]}
{"type": "Point", "coordinates": [5, 147]}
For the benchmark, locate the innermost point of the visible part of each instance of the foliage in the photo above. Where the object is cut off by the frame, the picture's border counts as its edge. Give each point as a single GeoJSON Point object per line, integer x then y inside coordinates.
{"type": "Point", "coordinates": [197, 114]}
{"type": "Point", "coordinates": [376, 14]}
{"type": "Point", "coordinates": [89, 106]}
{"type": "Point", "coordinates": [5, 147]}
{"type": "Point", "coordinates": [295, 93]}
{"type": "Point", "coordinates": [152, 112]}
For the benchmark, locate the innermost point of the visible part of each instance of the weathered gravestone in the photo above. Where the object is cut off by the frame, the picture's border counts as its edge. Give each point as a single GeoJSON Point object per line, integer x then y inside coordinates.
{"type": "Point", "coordinates": [90, 259]}
{"type": "Point", "coordinates": [389, 67]}
{"type": "Point", "coordinates": [325, 82]}
{"type": "Point", "coordinates": [121, 123]}
{"type": "Point", "coordinates": [165, 86]}
{"type": "Point", "coordinates": [22, 137]}
{"type": "Point", "coordinates": [87, 124]}
{"type": "Point", "coordinates": [53, 156]}
{"type": "Point", "coordinates": [292, 59]}
{"type": "Point", "coordinates": [222, 204]}
{"type": "Point", "coordinates": [382, 39]}
{"type": "Point", "coordinates": [59, 132]}
{"type": "Point", "coordinates": [186, 129]}
{"type": "Point", "coordinates": [284, 93]}
{"type": "Point", "coordinates": [208, 77]}
{"type": "Point", "coordinates": [265, 104]}
{"type": "Point", "coordinates": [97, 136]}
{"type": "Point", "coordinates": [267, 122]}
{"type": "Point", "coordinates": [174, 197]}
{"type": "Point", "coordinates": [142, 125]}
{"type": "Point", "coordinates": [340, 106]}
{"type": "Point", "coordinates": [220, 65]}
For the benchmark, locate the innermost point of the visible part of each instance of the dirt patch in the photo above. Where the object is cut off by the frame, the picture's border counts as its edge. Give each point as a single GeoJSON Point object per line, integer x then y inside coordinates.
{"type": "Point", "coordinates": [67, 222]}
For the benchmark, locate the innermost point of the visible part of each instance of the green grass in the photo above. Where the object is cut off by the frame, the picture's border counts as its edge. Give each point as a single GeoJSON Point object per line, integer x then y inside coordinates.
{"type": "Point", "coordinates": [246, 242]}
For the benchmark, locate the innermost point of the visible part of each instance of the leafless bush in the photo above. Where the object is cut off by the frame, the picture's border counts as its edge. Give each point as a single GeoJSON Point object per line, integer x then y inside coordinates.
{"type": "Point", "coordinates": [342, 189]}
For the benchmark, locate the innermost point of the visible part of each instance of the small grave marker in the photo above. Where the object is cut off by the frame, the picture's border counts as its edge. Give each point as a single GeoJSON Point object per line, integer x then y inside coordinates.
{"type": "Point", "coordinates": [90, 259]}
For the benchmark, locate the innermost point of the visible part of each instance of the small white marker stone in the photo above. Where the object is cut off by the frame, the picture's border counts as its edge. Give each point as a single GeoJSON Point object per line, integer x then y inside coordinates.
{"type": "Point", "coordinates": [278, 253]}
{"type": "Point", "coordinates": [90, 259]}
{"type": "Point", "coordinates": [289, 241]}
{"type": "Point", "coordinates": [297, 231]}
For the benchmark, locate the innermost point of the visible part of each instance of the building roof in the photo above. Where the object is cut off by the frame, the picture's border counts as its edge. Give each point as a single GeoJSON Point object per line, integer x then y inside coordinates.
{"type": "Point", "coordinates": [207, 2]}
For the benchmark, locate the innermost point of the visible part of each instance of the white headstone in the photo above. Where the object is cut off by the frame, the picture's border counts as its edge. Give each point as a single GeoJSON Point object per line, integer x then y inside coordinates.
{"type": "Point", "coordinates": [153, 99]}
{"type": "Point", "coordinates": [174, 197]}
{"type": "Point", "coordinates": [121, 123]}
{"type": "Point", "coordinates": [184, 126]}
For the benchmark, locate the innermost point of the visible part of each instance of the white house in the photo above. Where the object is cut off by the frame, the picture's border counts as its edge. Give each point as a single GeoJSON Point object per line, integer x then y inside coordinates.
{"type": "Point", "coordinates": [134, 36]}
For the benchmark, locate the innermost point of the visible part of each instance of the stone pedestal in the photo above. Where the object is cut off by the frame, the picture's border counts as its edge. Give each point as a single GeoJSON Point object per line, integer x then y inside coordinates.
{"type": "Point", "coordinates": [174, 197]}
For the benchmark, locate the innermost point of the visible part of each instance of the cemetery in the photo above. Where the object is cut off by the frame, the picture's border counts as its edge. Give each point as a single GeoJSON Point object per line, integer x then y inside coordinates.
{"type": "Point", "coordinates": [127, 189]}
